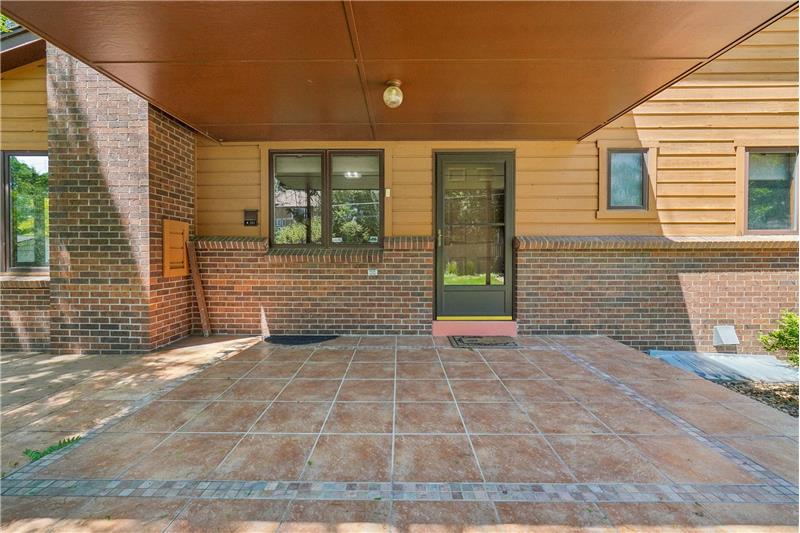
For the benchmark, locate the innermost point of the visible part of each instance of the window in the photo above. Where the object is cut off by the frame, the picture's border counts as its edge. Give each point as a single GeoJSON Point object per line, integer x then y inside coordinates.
{"type": "Point", "coordinates": [327, 197]}
{"type": "Point", "coordinates": [771, 196]}
{"type": "Point", "coordinates": [25, 211]}
{"type": "Point", "coordinates": [627, 179]}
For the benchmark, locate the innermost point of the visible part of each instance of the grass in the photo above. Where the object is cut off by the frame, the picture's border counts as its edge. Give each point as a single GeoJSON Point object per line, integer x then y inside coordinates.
{"type": "Point", "coordinates": [471, 279]}
{"type": "Point", "coordinates": [35, 455]}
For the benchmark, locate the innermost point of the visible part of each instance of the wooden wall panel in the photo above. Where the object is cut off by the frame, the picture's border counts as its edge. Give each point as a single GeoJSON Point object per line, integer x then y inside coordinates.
{"type": "Point", "coordinates": [747, 95]}
{"type": "Point", "coordinates": [23, 108]}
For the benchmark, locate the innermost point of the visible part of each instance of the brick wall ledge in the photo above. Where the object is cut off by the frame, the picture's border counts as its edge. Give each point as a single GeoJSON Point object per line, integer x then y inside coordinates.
{"type": "Point", "coordinates": [424, 243]}
{"type": "Point", "coordinates": [231, 243]}
{"type": "Point", "coordinates": [24, 281]}
{"type": "Point", "coordinates": [785, 242]}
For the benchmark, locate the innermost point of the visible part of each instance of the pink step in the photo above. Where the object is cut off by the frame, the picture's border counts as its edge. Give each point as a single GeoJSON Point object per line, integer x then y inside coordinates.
{"type": "Point", "coordinates": [444, 328]}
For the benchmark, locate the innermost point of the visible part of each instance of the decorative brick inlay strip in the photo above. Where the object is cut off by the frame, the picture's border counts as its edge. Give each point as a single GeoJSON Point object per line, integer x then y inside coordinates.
{"type": "Point", "coordinates": [231, 243]}
{"type": "Point", "coordinates": [784, 242]}
{"type": "Point", "coordinates": [325, 255]}
{"type": "Point", "coordinates": [22, 283]}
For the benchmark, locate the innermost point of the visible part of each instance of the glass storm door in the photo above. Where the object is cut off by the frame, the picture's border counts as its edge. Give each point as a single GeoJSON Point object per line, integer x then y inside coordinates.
{"type": "Point", "coordinates": [474, 228]}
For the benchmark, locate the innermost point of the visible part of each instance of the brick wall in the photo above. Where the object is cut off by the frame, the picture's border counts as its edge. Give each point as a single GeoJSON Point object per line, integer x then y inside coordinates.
{"type": "Point", "coordinates": [172, 177]}
{"type": "Point", "coordinates": [98, 135]}
{"type": "Point", "coordinates": [655, 293]}
{"type": "Point", "coordinates": [249, 289]}
{"type": "Point", "coordinates": [24, 315]}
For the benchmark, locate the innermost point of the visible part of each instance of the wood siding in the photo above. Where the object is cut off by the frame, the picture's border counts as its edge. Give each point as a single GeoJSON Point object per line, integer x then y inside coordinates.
{"type": "Point", "coordinates": [23, 108]}
{"type": "Point", "coordinates": [746, 96]}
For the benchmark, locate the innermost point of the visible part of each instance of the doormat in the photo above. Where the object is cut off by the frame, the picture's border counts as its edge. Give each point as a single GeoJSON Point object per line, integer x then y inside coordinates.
{"type": "Point", "coordinates": [298, 340]}
{"type": "Point", "coordinates": [463, 341]}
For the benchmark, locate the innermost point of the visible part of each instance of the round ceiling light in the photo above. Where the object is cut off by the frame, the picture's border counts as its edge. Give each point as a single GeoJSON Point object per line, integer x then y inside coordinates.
{"type": "Point", "coordinates": [392, 94]}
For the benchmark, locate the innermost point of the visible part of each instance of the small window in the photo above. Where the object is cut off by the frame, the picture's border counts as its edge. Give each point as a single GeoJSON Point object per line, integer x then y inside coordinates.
{"type": "Point", "coordinates": [627, 179]}
{"type": "Point", "coordinates": [25, 211]}
{"type": "Point", "coordinates": [327, 197]}
{"type": "Point", "coordinates": [771, 190]}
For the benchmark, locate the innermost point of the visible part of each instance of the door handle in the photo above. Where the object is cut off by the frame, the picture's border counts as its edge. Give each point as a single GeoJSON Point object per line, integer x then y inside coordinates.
{"type": "Point", "coordinates": [439, 237]}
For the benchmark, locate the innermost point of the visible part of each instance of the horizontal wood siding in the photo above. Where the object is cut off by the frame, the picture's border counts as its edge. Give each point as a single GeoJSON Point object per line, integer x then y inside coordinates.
{"type": "Point", "coordinates": [23, 108]}
{"type": "Point", "coordinates": [747, 95]}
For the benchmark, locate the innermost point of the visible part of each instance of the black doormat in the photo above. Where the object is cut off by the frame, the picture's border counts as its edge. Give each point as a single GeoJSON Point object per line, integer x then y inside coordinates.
{"type": "Point", "coordinates": [298, 340]}
{"type": "Point", "coordinates": [464, 341]}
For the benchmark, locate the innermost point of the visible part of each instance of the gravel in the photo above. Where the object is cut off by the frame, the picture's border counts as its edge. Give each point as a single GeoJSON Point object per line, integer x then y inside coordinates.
{"type": "Point", "coordinates": [781, 396]}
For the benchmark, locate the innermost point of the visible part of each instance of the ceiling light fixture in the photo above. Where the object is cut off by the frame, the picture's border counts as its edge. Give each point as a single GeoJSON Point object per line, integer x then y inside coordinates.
{"type": "Point", "coordinates": [392, 94]}
{"type": "Point", "coordinates": [352, 174]}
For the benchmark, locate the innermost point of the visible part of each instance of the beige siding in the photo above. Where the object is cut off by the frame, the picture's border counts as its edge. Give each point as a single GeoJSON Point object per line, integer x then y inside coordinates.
{"type": "Point", "coordinates": [747, 96]}
{"type": "Point", "coordinates": [23, 108]}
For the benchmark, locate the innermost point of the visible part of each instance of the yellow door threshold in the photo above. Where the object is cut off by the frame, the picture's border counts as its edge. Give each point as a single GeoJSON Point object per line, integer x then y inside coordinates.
{"type": "Point", "coordinates": [468, 318]}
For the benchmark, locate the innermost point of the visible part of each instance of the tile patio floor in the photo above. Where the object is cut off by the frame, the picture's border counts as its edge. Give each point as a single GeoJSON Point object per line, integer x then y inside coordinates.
{"type": "Point", "coordinates": [389, 434]}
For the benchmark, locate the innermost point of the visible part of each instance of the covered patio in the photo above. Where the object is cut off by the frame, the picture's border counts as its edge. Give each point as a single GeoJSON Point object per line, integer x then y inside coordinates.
{"type": "Point", "coordinates": [390, 433]}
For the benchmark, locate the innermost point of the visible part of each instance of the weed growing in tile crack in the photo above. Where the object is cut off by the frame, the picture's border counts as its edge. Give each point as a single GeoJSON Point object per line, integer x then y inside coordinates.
{"type": "Point", "coordinates": [35, 455]}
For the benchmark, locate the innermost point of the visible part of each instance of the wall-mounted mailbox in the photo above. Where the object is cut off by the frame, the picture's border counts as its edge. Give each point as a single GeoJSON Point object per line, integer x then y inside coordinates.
{"type": "Point", "coordinates": [251, 217]}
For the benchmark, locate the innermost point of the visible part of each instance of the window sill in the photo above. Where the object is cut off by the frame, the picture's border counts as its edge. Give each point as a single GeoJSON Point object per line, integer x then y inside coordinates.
{"type": "Point", "coordinates": [24, 280]}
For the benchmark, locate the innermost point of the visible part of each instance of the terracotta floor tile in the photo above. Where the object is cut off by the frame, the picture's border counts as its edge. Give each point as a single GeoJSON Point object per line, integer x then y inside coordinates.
{"type": "Point", "coordinates": [378, 340]}
{"type": "Point", "coordinates": [255, 389]}
{"type": "Point", "coordinates": [685, 460]}
{"type": "Point", "coordinates": [765, 415]}
{"type": "Point", "coordinates": [13, 444]}
{"type": "Point", "coordinates": [503, 356]}
{"type": "Point", "coordinates": [414, 340]}
{"type": "Point", "coordinates": [79, 415]}
{"type": "Point", "coordinates": [275, 370]}
{"type": "Point", "coordinates": [310, 390]}
{"type": "Point", "coordinates": [604, 459]}
{"type": "Point", "coordinates": [313, 370]}
{"type": "Point", "coordinates": [444, 517]}
{"type": "Point", "coordinates": [360, 417]}
{"type": "Point", "coordinates": [542, 390]}
{"type": "Point", "coordinates": [419, 391]}
{"type": "Point", "coordinates": [23, 514]}
{"type": "Point", "coordinates": [184, 456]}
{"type": "Point", "coordinates": [653, 517]}
{"type": "Point", "coordinates": [371, 371]}
{"type": "Point", "coordinates": [459, 355]}
{"type": "Point", "coordinates": [592, 390]}
{"type": "Point", "coordinates": [297, 354]}
{"type": "Point", "coordinates": [564, 417]}
{"type": "Point", "coordinates": [434, 458]}
{"type": "Point", "coordinates": [107, 514]}
{"type": "Point", "coordinates": [518, 459]}
{"type": "Point", "coordinates": [715, 419]}
{"type": "Point", "coordinates": [104, 456]}
{"type": "Point", "coordinates": [226, 369]}
{"type": "Point", "coordinates": [667, 391]}
{"type": "Point", "coordinates": [254, 354]}
{"type": "Point", "coordinates": [350, 458]}
{"type": "Point", "coordinates": [469, 371]}
{"type": "Point", "coordinates": [632, 418]}
{"type": "Point", "coordinates": [545, 355]}
{"type": "Point", "coordinates": [374, 355]}
{"type": "Point", "coordinates": [517, 371]}
{"type": "Point", "coordinates": [337, 516]}
{"type": "Point", "coordinates": [754, 518]}
{"type": "Point", "coordinates": [563, 368]}
{"type": "Point", "coordinates": [441, 341]}
{"type": "Point", "coordinates": [480, 391]}
{"type": "Point", "coordinates": [417, 355]}
{"type": "Point", "coordinates": [230, 516]}
{"type": "Point", "coordinates": [552, 517]}
{"type": "Point", "coordinates": [419, 371]}
{"type": "Point", "coordinates": [226, 416]}
{"type": "Point", "coordinates": [332, 355]}
{"type": "Point", "coordinates": [266, 457]}
{"type": "Point", "coordinates": [439, 417]}
{"type": "Point", "coordinates": [779, 454]}
{"type": "Point", "coordinates": [371, 390]}
{"type": "Point", "coordinates": [495, 418]}
{"type": "Point", "coordinates": [293, 417]}
{"type": "Point", "coordinates": [199, 389]}
{"type": "Point", "coordinates": [342, 340]}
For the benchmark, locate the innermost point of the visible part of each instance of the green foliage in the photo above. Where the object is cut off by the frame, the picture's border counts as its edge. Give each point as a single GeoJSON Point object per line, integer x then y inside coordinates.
{"type": "Point", "coordinates": [35, 455]}
{"type": "Point", "coordinates": [295, 233]}
{"type": "Point", "coordinates": [30, 213]}
{"type": "Point", "coordinates": [785, 338]}
{"type": "Point", "coordinates": [356, 215]}
{"type": "Point", "coordinates": [6, 24]}
{"type": "Point", "coordinates": [451, 268]}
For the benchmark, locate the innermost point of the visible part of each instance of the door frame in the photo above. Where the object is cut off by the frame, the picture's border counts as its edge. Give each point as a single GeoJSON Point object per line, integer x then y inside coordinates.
{"type": "Point", "coordinates": [509, 158]}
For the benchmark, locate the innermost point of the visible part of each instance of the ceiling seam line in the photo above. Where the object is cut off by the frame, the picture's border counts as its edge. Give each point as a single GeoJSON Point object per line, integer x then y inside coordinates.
{"type": "Point", "coordinates": [350, 20]}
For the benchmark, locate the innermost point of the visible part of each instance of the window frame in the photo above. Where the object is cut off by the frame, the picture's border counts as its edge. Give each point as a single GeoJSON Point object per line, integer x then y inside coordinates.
{"type": "Point", "coordinates": [326, 155]}
{"type": "Point", "coordinates": [793, 194]}
{"type": "Point", "coordinates": [604, 209]}
{"type": "Point", "coordinates": [5, 220]}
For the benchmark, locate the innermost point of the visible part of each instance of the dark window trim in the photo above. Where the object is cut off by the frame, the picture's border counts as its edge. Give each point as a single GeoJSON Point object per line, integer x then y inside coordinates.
{"type": "Point", "coordinates": [327, 227]}
{"type": "Point", "coordinates": [793, 191]}
{"type": "Point", "coordinates": [645, 179]}
{"type": "Point", "coordinates": [5, 212]}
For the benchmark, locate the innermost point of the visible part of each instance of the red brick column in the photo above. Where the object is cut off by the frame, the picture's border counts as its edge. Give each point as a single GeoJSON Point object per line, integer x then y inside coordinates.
{"type": "Point", "coordinates": [655, 292]}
